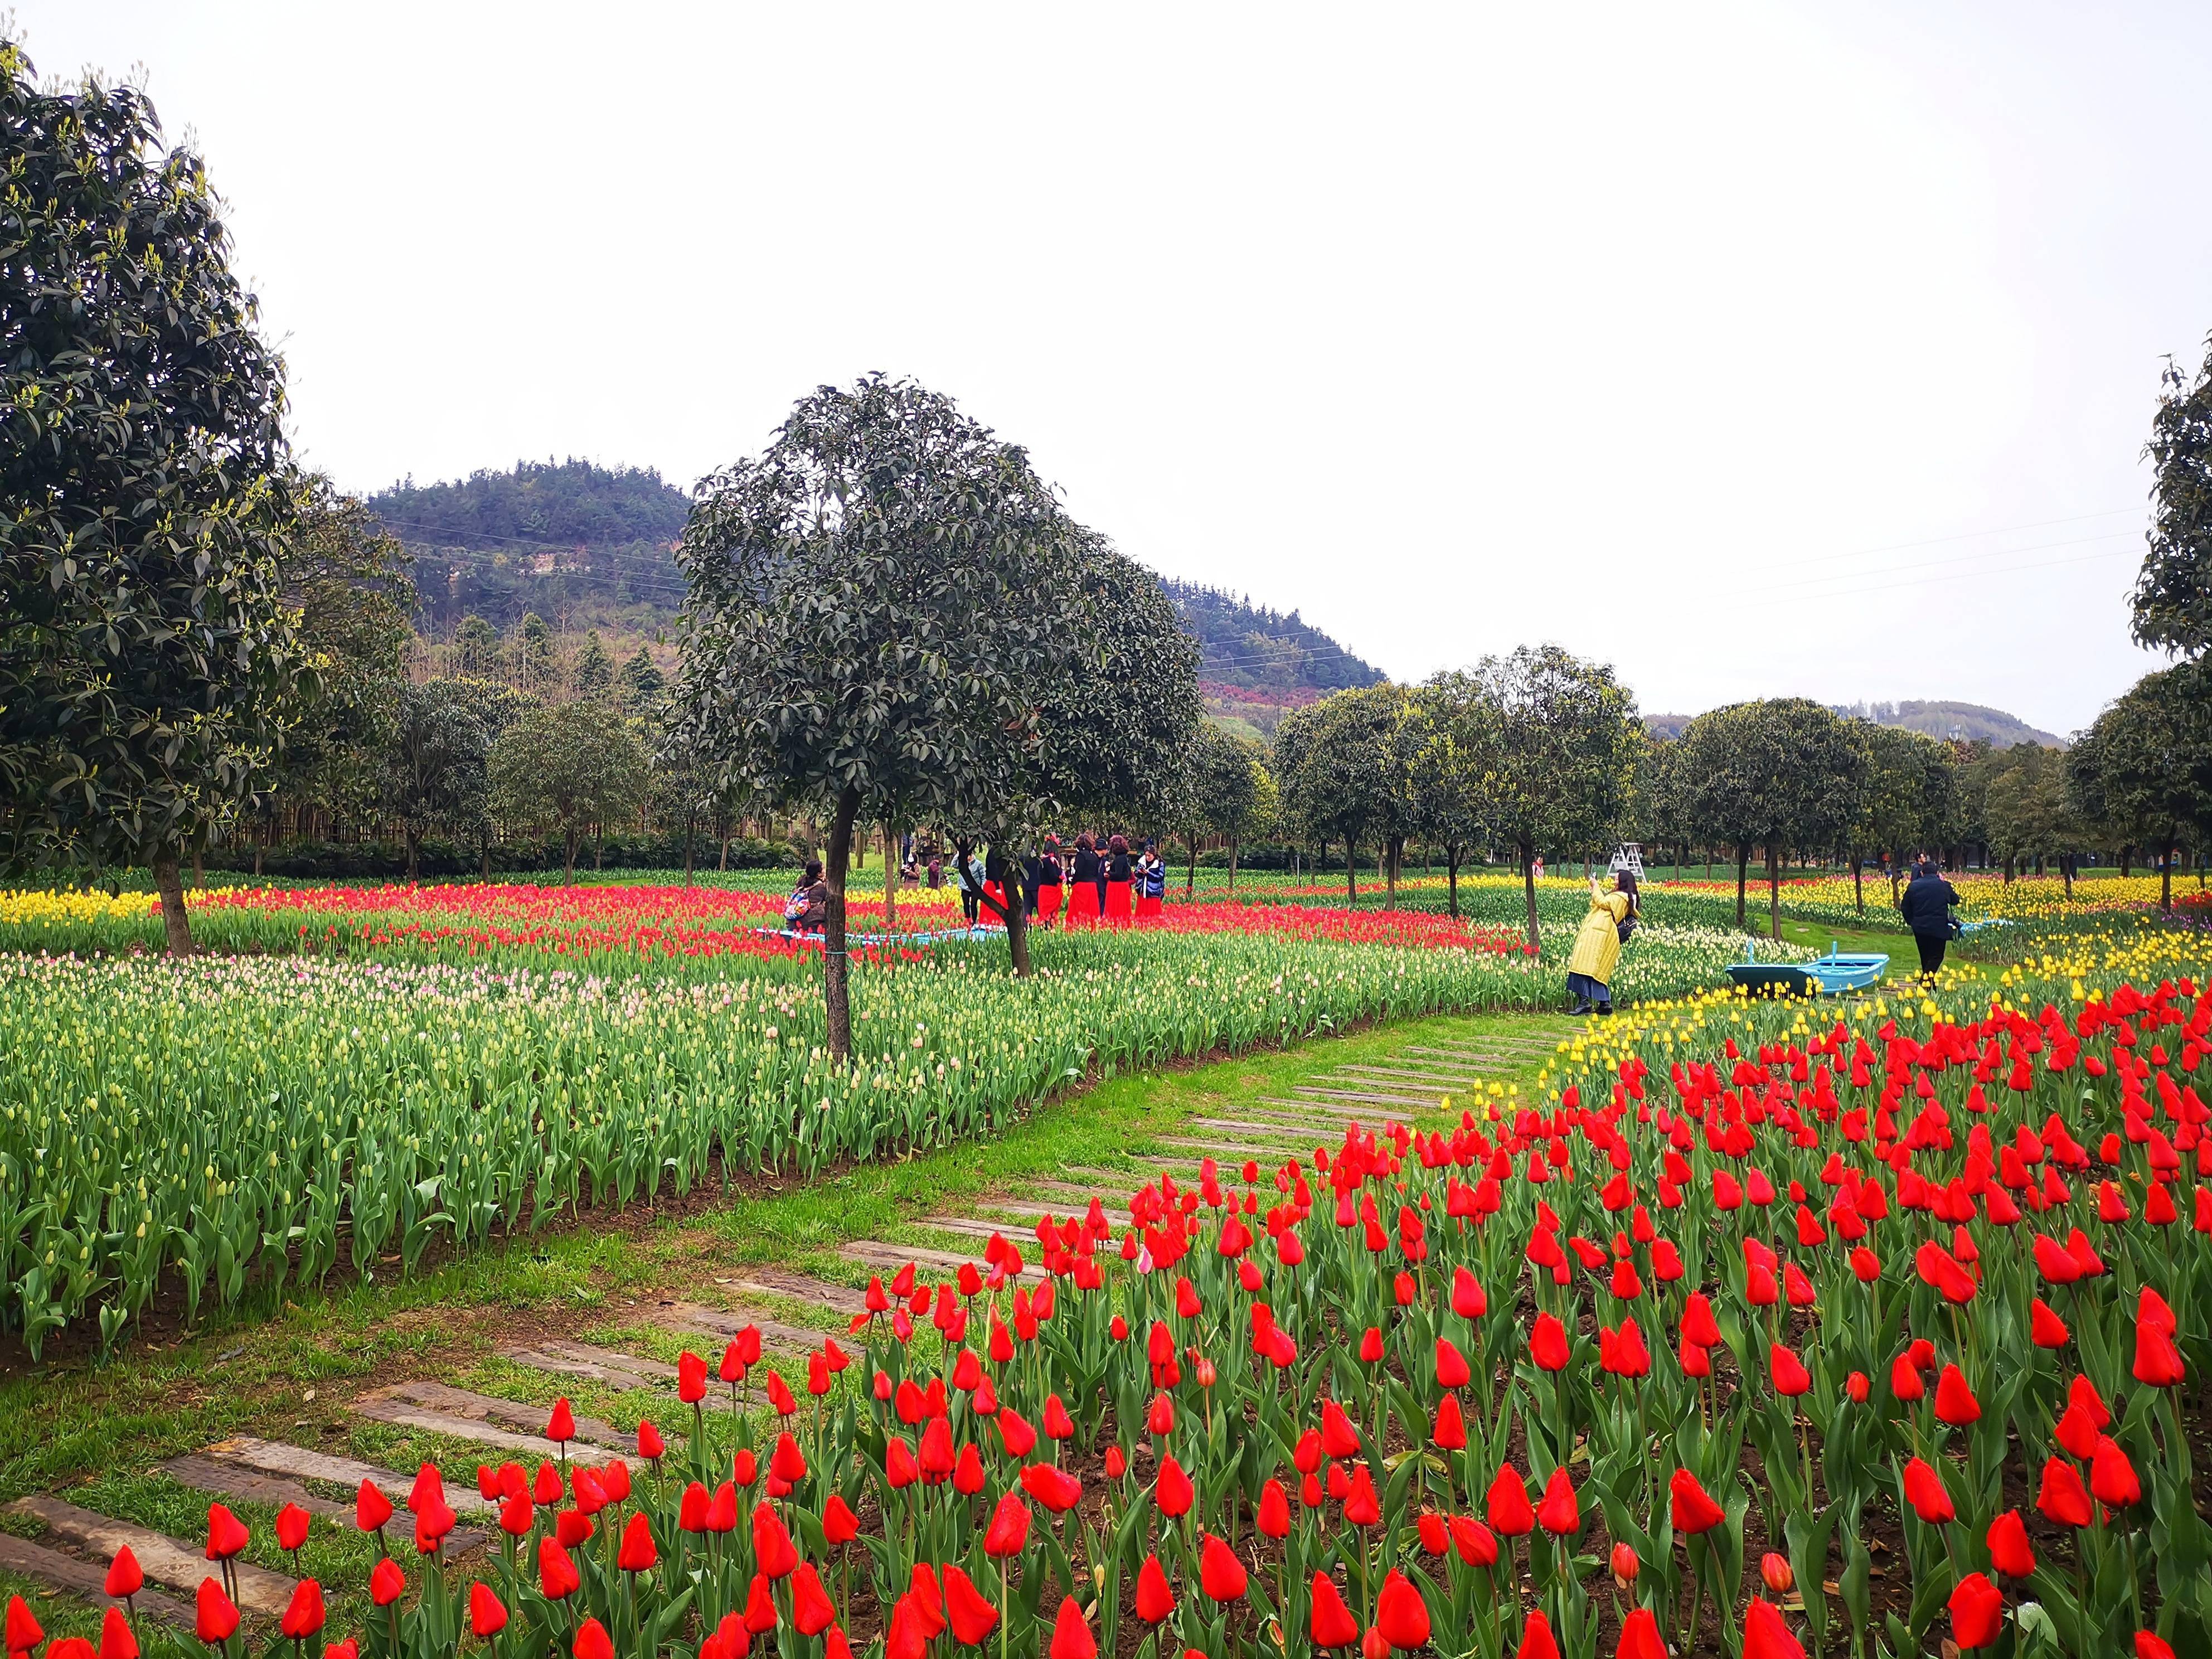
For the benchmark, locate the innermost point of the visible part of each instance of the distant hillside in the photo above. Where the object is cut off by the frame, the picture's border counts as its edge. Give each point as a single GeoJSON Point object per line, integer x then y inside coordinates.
{"type": "Point", "coordinates": [569, 540]}
{"type": "Point", "coordinates": [1968, 722]}
{"type": "Point", "coordinates": [587, 546]}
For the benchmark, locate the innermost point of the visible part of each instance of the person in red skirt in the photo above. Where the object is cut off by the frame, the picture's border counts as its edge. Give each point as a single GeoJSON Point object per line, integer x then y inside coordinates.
{"type": "Point", "coordinates": [1044, 882]}
{"type": "Point", "coordinates": [1084, 889]}
{"type": "Point", "coordinates": [1151, 881]}
{"type": "Point", "coordinates": [1119, 869]}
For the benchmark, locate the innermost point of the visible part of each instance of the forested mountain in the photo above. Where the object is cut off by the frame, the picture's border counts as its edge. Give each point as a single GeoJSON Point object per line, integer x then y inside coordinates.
{"type": "Point", "coordinates": [564, 538]}
{"type": "Point", "coordinates": [584, 547]}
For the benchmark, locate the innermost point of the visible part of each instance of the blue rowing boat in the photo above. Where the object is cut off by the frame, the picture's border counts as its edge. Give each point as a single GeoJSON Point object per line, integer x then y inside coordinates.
{"type": "Point", "coordinates": [1830, 974]}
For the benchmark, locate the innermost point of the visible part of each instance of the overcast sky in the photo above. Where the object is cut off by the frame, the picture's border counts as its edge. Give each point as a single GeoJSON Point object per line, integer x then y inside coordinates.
{"type": "Point", "coordinates": [1754, 350]}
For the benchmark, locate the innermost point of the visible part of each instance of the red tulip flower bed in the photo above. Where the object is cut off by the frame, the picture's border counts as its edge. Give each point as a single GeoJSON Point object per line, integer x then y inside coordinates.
{"type": "Point", "coordinates": [1525, 1387]}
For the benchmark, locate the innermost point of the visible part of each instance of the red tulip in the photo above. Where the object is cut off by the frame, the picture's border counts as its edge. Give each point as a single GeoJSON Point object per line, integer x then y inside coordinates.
{"type": "Point", "coordinates": [1766, 1634]}
{"type": "Point", "coordinates": [1791, 1377]}
{"type": "Point", "coordinates": [1155, 1600]}
{"type": "Point", "coordinates": [1071, 1634]}
{"type": "Point", "coordinates": [561, 1427]}
{"type": "Point", "coordinates": [760, 1607]}
{"type": "Point", "coordinates": [1560, 1513]}
{"type": "Point", "coordinates": [1015, 1433]}
{"type": "Point", "coordinates": [1009, 1529]}
{"type": "Point", "coordinates": [1954, 1402]}
{"type": "Point", "coordinates": [2158, 1361]}
{"type": "Point", "coordinates": [1536, 1639]}
{"type": "Point", "coordinates": [124, 1580]}
{"type": "Point", "coordinates": [371, 1508]}
{"type": "Point", "coordinates": [291, 1527]}
{"type": "Point", "coordinates": [650, 1446]}
{"type": "Point", "coordinates": [971, 1616]}
{"type": "Point", "coordinates": [1925, 1492]}
{"type": "Point", "coordinates": [811, 1607]}
{"type": "Point", "coordinates": [1452, 1370]}
{"type": "Point", "coordinates": [1624, 1565]}
{"type": "Point", "coordinates": [1693, 1510]}
{"type": "Point", "coordinates": [2112, 1476]}
{"type": "Point", "coordinates": [1977, 1612]}
{"type": "Point", "coordinates": [215, 1619]}
{"type": "Point", "coordinates": [1450, 1431]}
{"type": "Point", "coordinates": [1172, 1491]}
{"type": "Point", "coordinates": [487, 1613]}
{"type": "Point", "coordinates": [592, 1641]}
{"type": "Point", "coordinates": [2046, 1328]}
{"type": "Point", "coordinates": [557, 1577]}
{"type": "Point", "coordinates": [1775, 1573]}
{"type": "Point", "coordinates": [303, 1614]}
{"type": "Point", "coordinates": [1220, 1574]}
{"type": "Point", "coordinates": [637, 1554]}
{"type": "Point", "coordinates": [839, 1525]}
{"type": "Point", "coordinates": [1331, 1622]}
{"type": "Point", "coordinates": [1274, 1517]}
{"type": "Point", "coordinates": [2009, 1552]}
{"type": "Point", "coordinates": [387, 1583]}
{"type": "Point", "coordinates": [1507, 1504]}
{"type": "Point", "coordinates": [2148, 1644]}
{"type": "Point", "coordinates": [1548, 1343]}
{"type": "Point", "coordinates": [1057, 1490]}
{"type": "Point", "coordinates": [2062, 1496]}
{"type": "Point", "coordinates": [1339, 1437]}
{"type": "Point", "coordinates": [24, 1632]}
{"type": "Point", "coordinates": [116, 1640]}
{"type": "Point", "coordinates": [691, 1377]}
{"type": "Point", "coordinates": [1640, 1637]}
{"type": "Point", "coordinates": [1400, 1613]}
{"type": "Point", "coordinates": [1362, 1505]}
{"type": "Point", "coordinates": [772, 1547]}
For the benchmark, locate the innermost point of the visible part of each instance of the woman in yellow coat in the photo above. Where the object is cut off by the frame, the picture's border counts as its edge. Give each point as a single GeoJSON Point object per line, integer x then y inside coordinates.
{"type": "Point", "coordinates": [1611, 917]}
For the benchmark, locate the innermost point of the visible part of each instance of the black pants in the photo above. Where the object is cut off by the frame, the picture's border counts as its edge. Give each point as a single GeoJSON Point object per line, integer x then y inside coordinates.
{"type": "Point", "coordinates": [1931, 949]}
{"type": "Point", "coordinates": [968, 904]}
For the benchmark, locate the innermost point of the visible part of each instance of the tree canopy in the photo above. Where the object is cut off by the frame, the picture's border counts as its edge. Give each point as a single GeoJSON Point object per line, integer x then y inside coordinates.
{"type": "Point", "coordinates": [570, 767]}
{"type": "Point", "coordinates": [2172, 597]}
{"type": "Point", "coordinates": [2145, 767]}
{"type": "Point", "coordinates": [147, 662]}
{"type": "Point", "coordinates": [865, 631]}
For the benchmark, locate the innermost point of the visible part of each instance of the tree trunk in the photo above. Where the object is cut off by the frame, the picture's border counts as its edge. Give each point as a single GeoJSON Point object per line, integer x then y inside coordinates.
{"type": "Point", "coordinates": [1232, 864]}
{"type": "Point", "coordinates": [2127, 861]}
{"type": "Point", "coordinates": [1190, 878]}
{"type": "Point", "coordinates": [487, 859]}
{"type": "Point", "coordinates": [568, 869]}
{"type": "Point", "coordinates": [200, 867]}
{"type": "Point", "coordinates": [1742, 868]}
{"type": "Point", "coordinates": [413, 854]}
{"type": "Point", "coordinates": [258, 846]}
{"type": "Point", "coordinates": [890, 878]}
{"type": "Point", "coordinates": [1016, 911]}
{"type": "Point", "coordinates": [1352, 872]}
{"type": "Point", "coordinates": [2066, 874]}
{"type": "Point", "coordinates": [690, 824]}
{"type": "Point", "coordinates": [600, 849]}
{"type": "Point", "coordinates": [836, 989]}
{"type": "Point", "coordinates": [1451, 874]}
{"type": "Point", "coordinates": [724, 862]}
{"type": "Point", "coordinates": [2008, 869]}
{"type": "Point", "coordinates": [1528, 851]}
{"type": "Point", "coordinates": [169, 884]}
{"type": "Point", "coordinates": [1394, 851]}
{"type": "Point", "coordinates": [1858, 882]}
{"type": "Point", "coordinates": [2165, 876]}
{"type": "Point", "coordinates": [1773, 893]}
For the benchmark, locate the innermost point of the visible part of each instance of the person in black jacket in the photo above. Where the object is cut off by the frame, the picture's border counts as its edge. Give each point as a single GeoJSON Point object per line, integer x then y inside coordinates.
{"type": "Point", "coordinates": [1927, 907]}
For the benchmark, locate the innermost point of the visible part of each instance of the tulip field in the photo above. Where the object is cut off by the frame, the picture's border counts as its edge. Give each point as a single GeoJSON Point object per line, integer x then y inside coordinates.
{"type": "Point", "coordinates": [1876, 1327]}
{"type": "Point", "coordinates": [366, 1076]}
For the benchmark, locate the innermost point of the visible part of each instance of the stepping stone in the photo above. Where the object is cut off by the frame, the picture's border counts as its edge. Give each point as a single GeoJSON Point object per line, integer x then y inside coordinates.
{"type": "Point", "coordinates": [1416, 1103]}
{"type": "Point", "coordinates": [1271, 1128]}
{"type": "Point", "coordinates": [246, 1452]}
{"type": "Point", "coordinates": [1399, 1077]}
{"type": "Point", "coordinates": [389, 1405]}
{"type": "Point", "coordinates": [167, 1561]}
{"type": "Point", "coordinates": [695, 1319]}
{"type": "Point", "coordinates": [620, 1371]}
{"type": "Point", "coordinates": [1332, 1113]}
{"type": "Point", "coordinates": [799, 1287]}
{"type": "Point", "coordinates": [1034, 1212]}
{"type": "Point", "coordinates": [880, 1257]}
{"type": "Point", "coordinates": [204, 1473]}
{"type": "Point", "coordinates": [67, 1572]}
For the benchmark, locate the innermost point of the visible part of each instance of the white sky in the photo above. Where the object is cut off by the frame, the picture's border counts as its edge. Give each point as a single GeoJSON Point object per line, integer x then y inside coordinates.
{"type": "Point", "coordinates": [1646, 330]}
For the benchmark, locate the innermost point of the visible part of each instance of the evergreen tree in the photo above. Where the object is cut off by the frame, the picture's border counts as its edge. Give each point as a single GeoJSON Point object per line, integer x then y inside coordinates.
{"type": "Point", "coordinates": [537, 666]}
{"type": "Point", "coordinates": [594, 675]}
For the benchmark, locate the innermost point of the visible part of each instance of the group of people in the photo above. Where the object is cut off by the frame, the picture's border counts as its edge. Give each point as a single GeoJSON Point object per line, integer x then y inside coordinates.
{"type": "Point", "coordinates": [1100, 881]}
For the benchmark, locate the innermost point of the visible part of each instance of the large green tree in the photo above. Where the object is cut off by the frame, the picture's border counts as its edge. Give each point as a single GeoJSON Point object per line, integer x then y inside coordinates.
{"type": "Point", "coordinates": [1453, 735]}
{"type": "Point", "coordinates": [1909, 800]}
{"type": "Point", "coordinates": [147, 662]}
{"type": "Point", "coordinates": [1560, 769]}
{"type": "Point", "coordinates": [2031, 812]}
{"type": "Point", "coordinates": [1234, 796]}
{"type": "Point", "coordinates": [2172, 596]}
{"type": "Point", "coordinates": [1782, 774]}
{"type": "Point", "coordinates": [567, 767]}
{"type": "Point", "coordinates": [2145, 767]}
{"type": "Point", "coordinates": [1344, 767]}
{"type": "Point", "coordinates": [869, 634]}
{"type": "Point", "coordinates": [1118, 730]}
{"type": "Point", "coordinates": [435, 769]}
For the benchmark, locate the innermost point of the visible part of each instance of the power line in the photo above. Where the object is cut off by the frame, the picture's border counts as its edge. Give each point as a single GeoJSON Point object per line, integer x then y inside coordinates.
{"type": "Point", "coordinates": [1962, 558]}
{"type": "Point", "coordinates": [1955, 575]}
